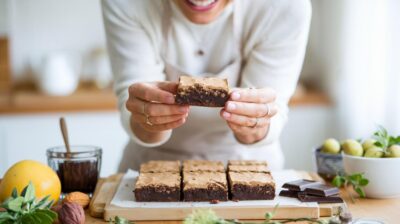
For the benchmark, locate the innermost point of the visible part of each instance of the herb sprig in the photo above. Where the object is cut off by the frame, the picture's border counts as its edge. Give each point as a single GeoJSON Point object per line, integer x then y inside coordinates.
{"type": "Point", "coordinates": [209, 217]}
{"type": "Point", "coordinates": [356, 180]}
{"type": "Point", "coordinates": [384, 140]}
{"type": "Point", "coordinates": [119, 220]}
{"type": "Point", "coordinates": [24, 208]}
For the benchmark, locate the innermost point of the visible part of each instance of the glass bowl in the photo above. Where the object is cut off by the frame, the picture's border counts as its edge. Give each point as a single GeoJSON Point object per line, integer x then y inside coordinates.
{"type": "Point", "coordinates": [78, 170]}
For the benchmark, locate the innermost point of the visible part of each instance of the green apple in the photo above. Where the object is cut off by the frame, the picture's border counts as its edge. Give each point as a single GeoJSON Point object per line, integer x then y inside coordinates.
{"type": "Point", "coordinates": [374, 152]}
{"type": "Point", "coordinates": [352, 147]}
{"type": "Point", "coordinates": [368, 143]}
{"type": "Point", "coordinates": [331, 146]}
{"type": "Point", "coordinates": [394, 151]}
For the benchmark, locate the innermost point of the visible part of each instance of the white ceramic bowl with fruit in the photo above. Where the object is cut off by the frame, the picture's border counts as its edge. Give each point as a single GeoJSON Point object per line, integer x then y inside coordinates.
{"type": "Point", "coordinates": [379, 160]}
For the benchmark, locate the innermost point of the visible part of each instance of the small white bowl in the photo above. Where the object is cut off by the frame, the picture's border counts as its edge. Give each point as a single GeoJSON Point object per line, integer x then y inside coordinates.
{"type": "Point", "coordinates": [383, 174]}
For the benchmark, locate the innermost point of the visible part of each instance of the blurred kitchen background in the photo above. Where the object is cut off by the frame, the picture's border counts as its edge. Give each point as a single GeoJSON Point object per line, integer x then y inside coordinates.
{"type": "Point", "coordinates": [53, 63]}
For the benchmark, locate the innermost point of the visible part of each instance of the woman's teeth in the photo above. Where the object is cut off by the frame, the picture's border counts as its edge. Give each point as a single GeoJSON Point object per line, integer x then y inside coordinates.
{"type": "Point", "coordinates": [202, 3]}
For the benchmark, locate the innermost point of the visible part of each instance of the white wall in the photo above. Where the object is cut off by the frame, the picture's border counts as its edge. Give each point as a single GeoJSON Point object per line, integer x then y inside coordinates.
{"type": "Point", "coordinates": [3, 17]}
{"type": "Point", "coordinates": [39, 27]}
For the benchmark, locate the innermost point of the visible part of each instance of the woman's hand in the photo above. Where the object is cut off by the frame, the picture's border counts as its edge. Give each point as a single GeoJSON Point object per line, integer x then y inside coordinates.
{"type": "Point", "coordinates": [153, 110]}
{"type": "Point", "coordinates": [248, 113]}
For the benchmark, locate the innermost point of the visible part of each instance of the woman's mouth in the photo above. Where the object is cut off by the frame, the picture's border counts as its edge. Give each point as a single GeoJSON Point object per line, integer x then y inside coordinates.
{"type": "Point", "coordinates": [201, 5]}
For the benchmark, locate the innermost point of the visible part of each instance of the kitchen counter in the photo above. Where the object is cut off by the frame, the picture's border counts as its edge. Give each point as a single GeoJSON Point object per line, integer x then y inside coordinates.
{"type": "Point", "coordinates": [384, 210]}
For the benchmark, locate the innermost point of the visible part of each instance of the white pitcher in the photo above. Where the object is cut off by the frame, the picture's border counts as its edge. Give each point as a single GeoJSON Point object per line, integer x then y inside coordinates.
{"type": "Point", "coordinates": [58, 74]}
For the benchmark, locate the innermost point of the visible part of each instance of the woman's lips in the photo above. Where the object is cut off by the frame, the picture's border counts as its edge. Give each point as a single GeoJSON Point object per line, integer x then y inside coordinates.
{"type": "Point", "coordinates": [201, 5]}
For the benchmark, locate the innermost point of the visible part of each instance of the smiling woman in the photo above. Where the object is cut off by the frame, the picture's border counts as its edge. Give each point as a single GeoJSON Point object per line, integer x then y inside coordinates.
{"type": "Point", "coordinates": [202, 11]}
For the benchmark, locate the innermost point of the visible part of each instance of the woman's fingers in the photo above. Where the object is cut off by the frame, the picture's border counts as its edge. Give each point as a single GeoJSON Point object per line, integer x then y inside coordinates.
{"type": "Point", "coordinates": [251, 109]}
{"type": "Point", "coordinates": [164, 127]}
{"type": "Point", "coordinates": [161, 92]}
{"type": "Point", "coordinates": [141, 118]}
{"type": "Point", "coordinates": [245, 121]}
{"type": "Point", "coordinates": [155, 109]}
{"type": "Point", "coordinates": [264, 95]}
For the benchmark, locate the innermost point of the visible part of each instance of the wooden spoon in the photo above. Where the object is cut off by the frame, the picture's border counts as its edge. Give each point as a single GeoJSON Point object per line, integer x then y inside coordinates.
{"type": "Point", "coordinates": [64, 131]}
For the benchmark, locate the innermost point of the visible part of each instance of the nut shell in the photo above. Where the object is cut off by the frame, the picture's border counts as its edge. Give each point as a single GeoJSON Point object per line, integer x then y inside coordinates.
{"type": "Point", "coordinates": [71, 213]}
{"type": "Point", "coordinates": [78, 197]}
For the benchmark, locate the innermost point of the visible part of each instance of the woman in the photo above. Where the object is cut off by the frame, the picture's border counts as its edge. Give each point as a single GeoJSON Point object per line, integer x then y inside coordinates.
{"type": "Point", "coordinates": [257, 45]}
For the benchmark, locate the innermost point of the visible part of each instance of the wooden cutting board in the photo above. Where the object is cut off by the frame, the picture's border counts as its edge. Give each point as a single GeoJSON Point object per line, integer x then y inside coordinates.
{"type": "Point", "coordinates": [101, 207]}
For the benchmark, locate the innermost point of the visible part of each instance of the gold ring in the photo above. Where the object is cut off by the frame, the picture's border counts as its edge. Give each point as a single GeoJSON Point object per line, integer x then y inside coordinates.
{"type": "Point", "coordinates": [268, 110]}
{"type": "Point", "coordinates": [144, 108]}
{"type": "Point", "coordinates": [255, 124]}
{"type": "Point", "coordinates": [148, 120]}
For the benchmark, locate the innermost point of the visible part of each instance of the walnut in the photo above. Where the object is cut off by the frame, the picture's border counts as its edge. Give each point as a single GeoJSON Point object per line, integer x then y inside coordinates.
{"type": "Point", "coordinates": [71, 213]}
{"type": "Point", "coordinates": [78, 197]}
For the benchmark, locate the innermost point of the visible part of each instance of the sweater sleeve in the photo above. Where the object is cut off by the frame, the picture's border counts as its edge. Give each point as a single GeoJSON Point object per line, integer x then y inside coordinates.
{"type": "Point", "coordinates": [276, 57]}
{"type": "Point", "coordinates": [133, 57]}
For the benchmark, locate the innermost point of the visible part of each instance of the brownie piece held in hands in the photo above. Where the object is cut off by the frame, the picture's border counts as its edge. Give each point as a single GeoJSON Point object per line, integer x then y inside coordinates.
{"type": "Point", "coordinates": [201, 91]}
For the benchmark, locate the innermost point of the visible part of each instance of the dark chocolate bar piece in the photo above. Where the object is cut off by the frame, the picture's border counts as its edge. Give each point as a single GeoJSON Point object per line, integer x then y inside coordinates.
{"type": "Point", "coordinates": [322, 190]}
{"type": "Point", "coordinates": [299, 185]}
{"type": "Point", "coordinates": [200, 91]}
{"type": "Point", "coordinates": [289, 194]}
{"type": "Point", "coordinates": [304, 197]}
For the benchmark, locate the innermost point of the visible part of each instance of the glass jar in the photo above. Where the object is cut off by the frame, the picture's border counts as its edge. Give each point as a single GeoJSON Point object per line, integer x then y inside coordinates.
{"type": "Point", "coordinates": [78, 170]}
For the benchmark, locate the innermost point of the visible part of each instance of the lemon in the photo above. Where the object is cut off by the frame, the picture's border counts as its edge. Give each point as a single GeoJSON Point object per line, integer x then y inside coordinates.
{"type": "Point", "coordinates": [44, 179]}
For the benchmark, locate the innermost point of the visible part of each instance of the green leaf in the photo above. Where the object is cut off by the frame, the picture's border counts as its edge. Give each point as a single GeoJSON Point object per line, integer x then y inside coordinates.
{"type": "Point", "coordinates": [14, 193]}
{"type": "Point", "coordinates": [46, 216]}
{"type": "Point", "coordinates": [29, 194]}
{"type": "Point", "coordinates": [50, 213]}
{"type": "Point", "coordinates": [363, 182]}
{"type": "Point", "coordinates": [337, 181]}
{"type": "Point", "coordinates": [42, 202]}
{"type": "Point", "coordinates": [48, 206]}
{"type": "Point", "coordinates": [4, 216]}
{"type": "Point", "coordinates": [360, 191]}
{"type": "Point", "coordinates": [29, 218]}
{"type": "Point", "coordinates": [15, 204]}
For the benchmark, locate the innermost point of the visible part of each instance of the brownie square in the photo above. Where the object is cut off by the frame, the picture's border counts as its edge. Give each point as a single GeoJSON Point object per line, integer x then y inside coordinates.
{"type": "Point", "coordinates": [205, 186]}
{"type": "Point", "coordinates": [203, 165]}
{"type": "Point", "coordinates": [159, 166]}
{"type": "Point", "coordinates": [251, 186]}
{"type": "Point", "coordinates": [202, 91]}
{"type": "Point", "coordinates": [161, 187]}
{"type": "Point", "coordinates": [248, 168]}
{"type": "Point", "coordinates": [247, 162]}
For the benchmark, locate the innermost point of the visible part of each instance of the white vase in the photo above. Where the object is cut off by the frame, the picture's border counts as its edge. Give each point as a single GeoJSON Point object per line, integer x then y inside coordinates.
{"type": "Point", "coordinates": [58, 76]}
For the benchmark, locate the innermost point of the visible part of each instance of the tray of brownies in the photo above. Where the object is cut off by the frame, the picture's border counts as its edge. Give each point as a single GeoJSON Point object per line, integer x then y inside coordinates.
{"type": "Point", "coordinates": [244, 189]}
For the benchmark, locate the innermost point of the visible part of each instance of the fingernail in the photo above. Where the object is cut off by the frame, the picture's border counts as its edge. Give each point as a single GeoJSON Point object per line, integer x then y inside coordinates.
{"type": "Point", "coordinates": [231, 106]}
{"type": "Point", "coordinates": [226, 114]}
{"type": "Point", "coordinates": [170, 99]}
{"type": "Point", "coordinates": [235, 96]}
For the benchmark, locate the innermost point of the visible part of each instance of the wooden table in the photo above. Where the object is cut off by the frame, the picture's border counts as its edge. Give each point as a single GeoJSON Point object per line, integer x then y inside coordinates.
{"type": "Point", "coordinates": [385, 210]}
